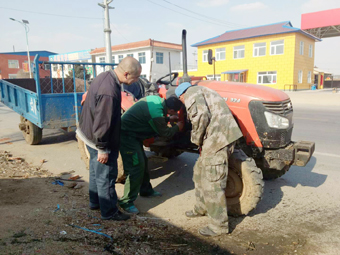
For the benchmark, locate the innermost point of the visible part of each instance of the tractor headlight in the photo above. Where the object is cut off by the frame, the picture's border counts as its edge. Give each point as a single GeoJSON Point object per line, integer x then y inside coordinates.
{"type": "Point", "coordinates": [276, 121]}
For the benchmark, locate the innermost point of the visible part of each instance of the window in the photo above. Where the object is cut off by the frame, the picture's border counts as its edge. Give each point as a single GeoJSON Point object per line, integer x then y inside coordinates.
{"type": "Point", "coordinates": [259, 49]}
{"type": "Point", "coordinates": [113, 59]}
{"type": "Point", "coordinates": [55, 67]}
{"type": "Point", "coordinates": [300, 77]}
{"type": "Point", "coordinates": [266, 77]}
{"type": "Point", "coordinates": [102, 60]}
{"type": "Point", "coordinates": [129, 55]}
{"type": "Point", "coordinates": [211, 77]}
{"type": "Point", "coordinates": [310, 51]}
{"type": "Point", "coordinates": [205, 56]}
{"type": "Point", "coordinates": [120, 58]}
{"type": "Point", "coordinates": [301, 47]}
{"type": "Point", "coordinates": [12, 76]}
{"type": "Point", "coordinates": [276, 47]}
{"type": "Point", "coordinates": [47, 66]}
{"type": "Point", "coordinates": [239, 51]}
{"type": "Point", "coordinates": [13, 63]}
{"type": "Point", "coordinates": [141, 57]}
{"type": "Point", "coordinates": [69, 67]}
{"type": "Point", "coordinates": [159, 57]}
{"type": "Point", "coordinates": [220, 54]}
{"type": "Point", "coordinates": [309, 77]}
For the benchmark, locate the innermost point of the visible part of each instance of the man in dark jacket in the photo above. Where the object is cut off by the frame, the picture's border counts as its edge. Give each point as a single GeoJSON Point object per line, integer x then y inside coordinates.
{"type": "Point", "coordinates": [99, 128]}
{"type": "Point", "coordinates": [143, 120]}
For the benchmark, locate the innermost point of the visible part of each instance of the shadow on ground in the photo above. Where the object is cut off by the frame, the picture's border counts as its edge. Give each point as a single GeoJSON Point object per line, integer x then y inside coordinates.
{"type": "Point", "coordinates": [50, 136]}
{"type": "Point", "coordinates": [273, 193]}
{"type": "Point", "coordinates": [38, 216]}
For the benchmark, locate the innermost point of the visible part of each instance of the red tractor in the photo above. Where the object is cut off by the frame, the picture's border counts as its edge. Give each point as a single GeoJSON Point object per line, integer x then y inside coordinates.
{"type": "Point", "coordinates": [266, 151]}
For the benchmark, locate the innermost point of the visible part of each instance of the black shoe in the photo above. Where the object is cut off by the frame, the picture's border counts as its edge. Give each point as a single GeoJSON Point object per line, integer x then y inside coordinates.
{"type": "Point", "coordinates": [94, 208]}
{"type": "Point", "coordinates": [193, 214]}
{"type": "Point", "coordinates": [119, 216]}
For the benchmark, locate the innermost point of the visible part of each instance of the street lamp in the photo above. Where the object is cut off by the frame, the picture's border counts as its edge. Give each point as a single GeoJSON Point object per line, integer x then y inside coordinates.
{"type": "Point", "coordinates": [25, 24]}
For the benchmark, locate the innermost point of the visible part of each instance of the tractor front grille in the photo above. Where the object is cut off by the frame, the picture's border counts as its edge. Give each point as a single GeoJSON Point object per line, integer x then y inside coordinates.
{"type": "Point", "coordinates": [282, 108]}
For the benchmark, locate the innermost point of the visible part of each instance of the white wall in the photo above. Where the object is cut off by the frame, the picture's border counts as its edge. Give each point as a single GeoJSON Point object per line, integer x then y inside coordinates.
{"type": "Point", "coordinates": [158, 70]}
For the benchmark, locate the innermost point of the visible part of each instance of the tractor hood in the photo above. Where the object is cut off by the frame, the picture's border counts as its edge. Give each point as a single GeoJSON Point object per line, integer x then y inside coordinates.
{"type": "Point", "coordinates": [260, 92]}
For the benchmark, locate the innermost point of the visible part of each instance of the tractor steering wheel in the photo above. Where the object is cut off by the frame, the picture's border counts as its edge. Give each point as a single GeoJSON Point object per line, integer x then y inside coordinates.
{"type": "Point", "coordinates": [172, 76]}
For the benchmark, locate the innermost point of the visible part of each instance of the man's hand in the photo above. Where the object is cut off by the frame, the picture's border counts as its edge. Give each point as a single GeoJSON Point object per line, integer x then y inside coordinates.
{"type": "Point", "coordinates": [103, 158]}
{"type": "Point", "coordinates": [83, 98]}
{"type": "Point", "coordinates": [173, 118]}
{"type": "Point", "coordinates": [180, 124]}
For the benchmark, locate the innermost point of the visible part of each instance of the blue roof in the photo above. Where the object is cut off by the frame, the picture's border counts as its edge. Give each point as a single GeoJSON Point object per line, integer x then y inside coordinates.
{"type": "Point", "coordinates": [42, 53]}
{"type": "Point", "coordinates": [271, 29]}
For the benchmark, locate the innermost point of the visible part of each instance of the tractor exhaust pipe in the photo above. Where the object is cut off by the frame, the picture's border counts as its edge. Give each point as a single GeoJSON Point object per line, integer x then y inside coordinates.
{"type": "Point", "coordinates": [185, 77]}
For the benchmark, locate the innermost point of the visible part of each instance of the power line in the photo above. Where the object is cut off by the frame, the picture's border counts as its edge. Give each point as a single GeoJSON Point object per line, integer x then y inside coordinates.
{"type": "Point", "coordinates": [186, 14]}
{"type": "Point", "coordinates": [119, 33]}
{"type": "Point", "coordinates": [65, 16]}
{"type": "Point", "coordinates": [50, 14]}
{"type": "Point", "coordinates": [211, 18]}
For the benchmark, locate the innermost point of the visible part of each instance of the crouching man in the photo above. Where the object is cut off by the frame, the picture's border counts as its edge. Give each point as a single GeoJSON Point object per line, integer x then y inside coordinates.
{"type": "Point", "coordinates": [145, 119]}
{"type": "Point", "coordinates": [215, 131]}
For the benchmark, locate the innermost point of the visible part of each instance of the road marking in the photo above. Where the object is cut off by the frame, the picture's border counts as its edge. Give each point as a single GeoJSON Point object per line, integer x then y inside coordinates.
{"type": "Point", "coordinates": [302, 118]}
{"type": "Point", "coordinates": [327, 154]}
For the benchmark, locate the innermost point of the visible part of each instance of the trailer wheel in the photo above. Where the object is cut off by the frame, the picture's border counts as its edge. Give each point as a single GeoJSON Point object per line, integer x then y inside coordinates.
{"type": "Point", "coordinates": [85, 156]}
{"type": "Point", "coordinates": [272, 174]}
{"type": "Point", "coordinates": [31, 132]}
{"type": "Point", "coordinates": [244, 184]}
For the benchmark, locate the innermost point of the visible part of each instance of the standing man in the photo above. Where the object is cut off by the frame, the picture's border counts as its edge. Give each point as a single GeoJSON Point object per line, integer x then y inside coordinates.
{"type": "Point", "coordinates": [215, 131]}
{"type": "Point", "coordinates": [143, 120]}
{"type": "Point", "coordinates": [99, 128]}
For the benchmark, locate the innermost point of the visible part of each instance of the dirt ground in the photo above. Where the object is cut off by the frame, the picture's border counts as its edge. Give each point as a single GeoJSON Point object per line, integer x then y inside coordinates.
{"type": "Point", "coordinates": [39, 217]}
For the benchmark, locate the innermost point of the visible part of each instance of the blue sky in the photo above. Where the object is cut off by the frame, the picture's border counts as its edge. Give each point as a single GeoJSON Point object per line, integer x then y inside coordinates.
{"type": "Point", "coordinates": [65, 26]}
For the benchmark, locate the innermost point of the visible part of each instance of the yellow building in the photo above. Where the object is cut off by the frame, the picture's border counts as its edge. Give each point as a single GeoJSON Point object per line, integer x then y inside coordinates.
{"type": "Point", "coordinates": [276, 55]}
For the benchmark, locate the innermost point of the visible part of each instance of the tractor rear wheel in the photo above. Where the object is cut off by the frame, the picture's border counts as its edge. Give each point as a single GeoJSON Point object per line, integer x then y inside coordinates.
{"type": "Point", "coordinates": [85, 155]}
{"type": "Point", "coordinates": [31, 132]}
{"type": "Point", "coordinates": [244, 184]}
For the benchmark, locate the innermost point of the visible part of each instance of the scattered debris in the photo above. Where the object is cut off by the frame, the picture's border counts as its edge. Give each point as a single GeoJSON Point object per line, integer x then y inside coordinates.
{"type": "Point", "coordinates": [17, 167]}
{"type": "Point", "coordinates": [58, 183]}
{"type": "Point", "coordinates": [58, 208]}
{"type": "Point", "coordinates": [89, 230]}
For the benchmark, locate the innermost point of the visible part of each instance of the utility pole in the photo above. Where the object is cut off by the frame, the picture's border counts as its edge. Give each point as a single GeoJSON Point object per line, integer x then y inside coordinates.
{"type": "Point", "coordinates": [107, 31]}
{"type": "Point", "coordinates": [151, 60]}
{"type": "Point", "coordinates": [25, 24]}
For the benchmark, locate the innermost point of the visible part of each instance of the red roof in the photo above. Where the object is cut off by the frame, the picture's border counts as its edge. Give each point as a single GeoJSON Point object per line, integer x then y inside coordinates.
{"type": "Point", "coordinates": [140, 44]}
{"type": "Point", "coordinates": [277, 28]}
{"type": "Point", "coordinates": [320, 19]}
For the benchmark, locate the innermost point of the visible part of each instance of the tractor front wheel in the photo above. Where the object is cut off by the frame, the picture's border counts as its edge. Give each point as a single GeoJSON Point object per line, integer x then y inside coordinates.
{"type": "Point", "coordinates": [244, 184]}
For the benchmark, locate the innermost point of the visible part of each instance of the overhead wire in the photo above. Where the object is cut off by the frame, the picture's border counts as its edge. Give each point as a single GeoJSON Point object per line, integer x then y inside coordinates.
{"type": "Point", "coordinates": [227, 23]}
{"type": "Point", "coordinates": [218, 24]}
{"type": "Point", "coordinates": [50, 14]}
{"type": "Point", "coordinates": [64, 16]}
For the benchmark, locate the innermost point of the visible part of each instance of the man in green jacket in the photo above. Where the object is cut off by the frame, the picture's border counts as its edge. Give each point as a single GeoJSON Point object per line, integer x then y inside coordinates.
{"type": "Point", "coordinates": [145, 119]}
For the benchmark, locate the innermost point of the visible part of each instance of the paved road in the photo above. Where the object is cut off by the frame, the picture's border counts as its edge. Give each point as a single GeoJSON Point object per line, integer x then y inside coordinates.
{"type": "Point", "coordinates": [299, 212]}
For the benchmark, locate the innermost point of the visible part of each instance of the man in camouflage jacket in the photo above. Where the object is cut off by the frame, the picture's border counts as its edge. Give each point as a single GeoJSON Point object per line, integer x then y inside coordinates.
{"type": "Point", "coordinates": [215, 131]}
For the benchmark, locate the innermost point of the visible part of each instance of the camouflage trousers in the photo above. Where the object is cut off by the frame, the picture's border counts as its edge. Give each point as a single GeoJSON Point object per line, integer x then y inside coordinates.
{"type": "Point", "coordinates": [210, 178]}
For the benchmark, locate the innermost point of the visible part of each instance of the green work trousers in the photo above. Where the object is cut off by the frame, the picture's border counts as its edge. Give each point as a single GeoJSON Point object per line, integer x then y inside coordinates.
{"type": "Point", "coordinates": [135, 165]}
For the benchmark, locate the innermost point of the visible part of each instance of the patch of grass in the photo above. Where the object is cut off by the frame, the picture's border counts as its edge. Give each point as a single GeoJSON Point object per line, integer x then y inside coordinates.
{"type": "Point", "coordinates": [19, 234]}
